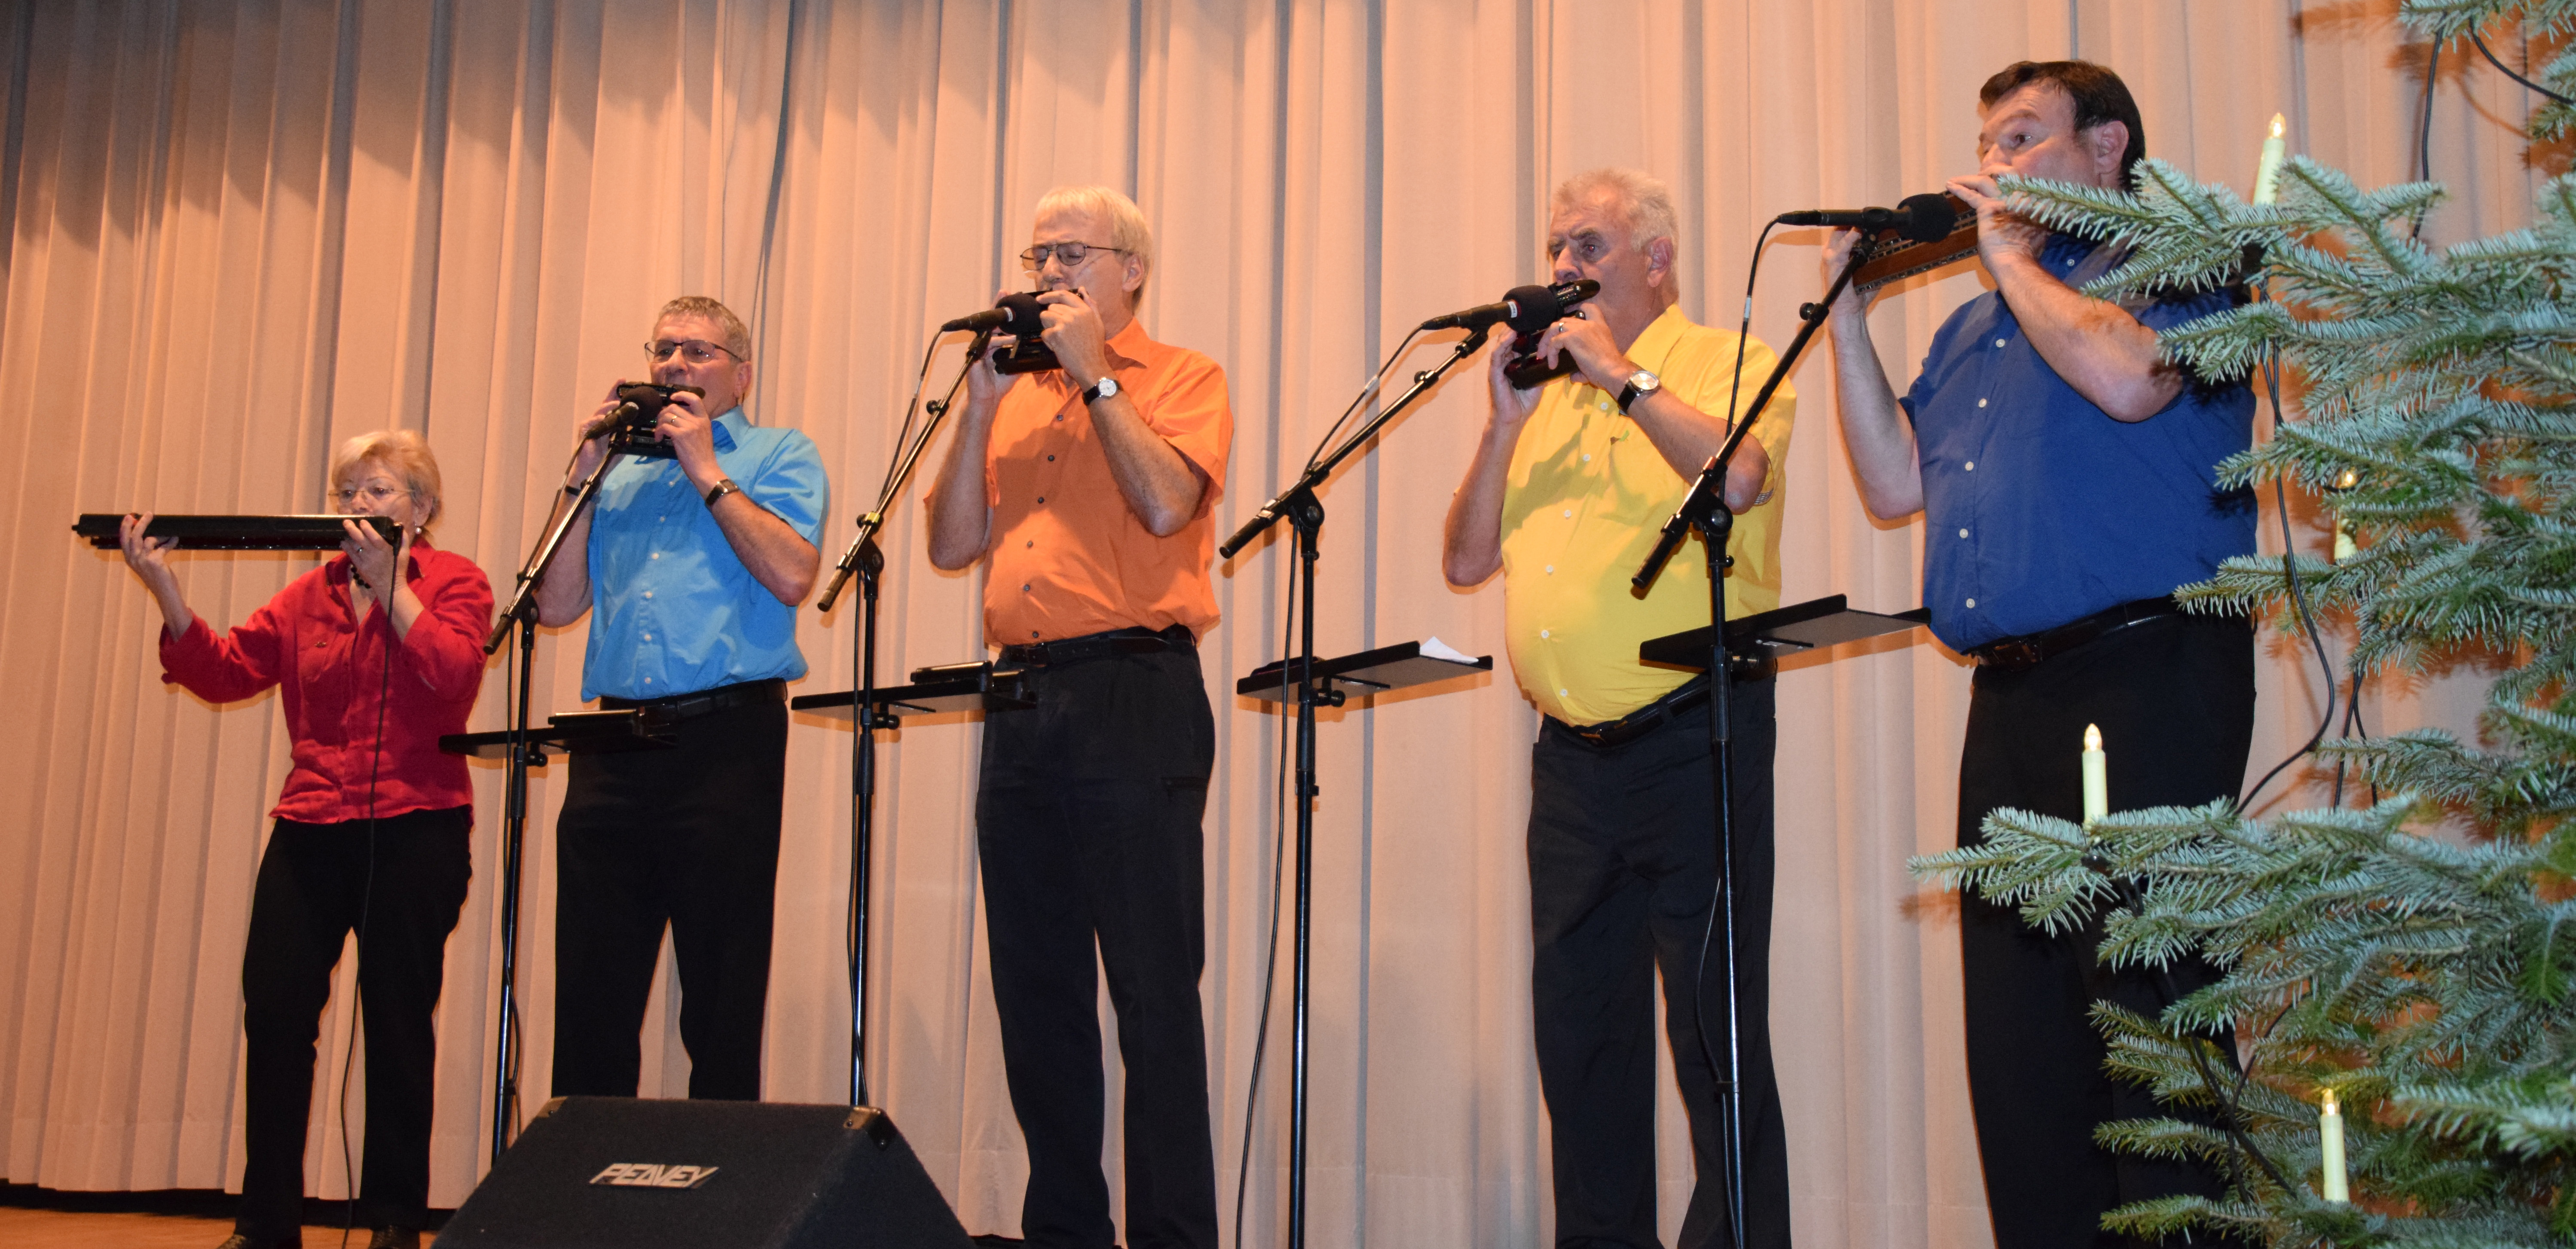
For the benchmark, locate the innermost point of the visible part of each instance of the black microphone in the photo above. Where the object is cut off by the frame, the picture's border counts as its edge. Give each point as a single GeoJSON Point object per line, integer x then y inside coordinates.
{"type": "Point", "coordinates": [1924, 218]}
{"type": "Point", "coordinates": [1019, 306]}
{"type": "Point", "coordinates": [1528, 308]}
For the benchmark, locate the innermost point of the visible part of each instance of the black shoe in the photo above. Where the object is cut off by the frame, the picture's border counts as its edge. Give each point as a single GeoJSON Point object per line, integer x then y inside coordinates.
{"type": "Point", "coordinates": [395, 1238]}
{"type": "Point", "coordinates": [239, 1241]}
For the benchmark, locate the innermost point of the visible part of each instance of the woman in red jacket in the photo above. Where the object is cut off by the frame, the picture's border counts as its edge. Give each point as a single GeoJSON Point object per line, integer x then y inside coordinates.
{"type": "Point", "coordinates": [371, 835]}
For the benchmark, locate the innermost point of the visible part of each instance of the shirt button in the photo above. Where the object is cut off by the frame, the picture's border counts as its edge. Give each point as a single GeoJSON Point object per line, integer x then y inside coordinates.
{"type": "Point", "coordinates": [1981, 403]}
{"type": "Point", "coordinates": [1972, 602]}
{"type": "Point", "coordinates": [1032, 542]}
{"type": "Point", "coordinates": [1551, 568]}
{"type": "Point", "coordinates": [1041, 498]}
{"type": "Point", "coordinates": [1998, 342]}
{"type": "Point", "coordinates": [1050, 457]}
{"type": "Point", "coordinates": [1025, 585]}
{"type": "Point", "coordinates": [1033, 632]}
{"type": "Point", "coordinates": [1605, 405]}
{"type": "Point", "coordinates": [1972, 466]}
{"type": "Point", "coordinates": [648, 680]}
{"type": "Point", "coordinates": [1962, 533]}
{"type": "Point", "coordinates": [1560, 693]}
{"type": "Point", "coordinates": [648, 637]}
{"type": "Point", "coordinates": [657, 555]}
{"type": "Point", "coordinates": [1542, 633]}
{"type": "Point", "coordinates": [1587, 457]}
{"type": "Point", "coordinates": [1569, 513]}
{"type": "Point", "coordinates": [1060, 419]}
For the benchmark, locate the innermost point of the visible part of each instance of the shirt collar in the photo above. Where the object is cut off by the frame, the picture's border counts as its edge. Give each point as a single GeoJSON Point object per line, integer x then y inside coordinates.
{"type": "Point", "coordinates": [1129, 346]}
{"type": "Point", "coordinates": [1655, 343]}
{"type": "Point", "coordinates": [727, 428]}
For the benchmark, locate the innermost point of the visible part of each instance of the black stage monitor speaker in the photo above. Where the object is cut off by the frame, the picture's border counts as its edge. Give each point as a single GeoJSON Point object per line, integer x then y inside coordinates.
{"type": "Point", "coordinates": [623, 1173]}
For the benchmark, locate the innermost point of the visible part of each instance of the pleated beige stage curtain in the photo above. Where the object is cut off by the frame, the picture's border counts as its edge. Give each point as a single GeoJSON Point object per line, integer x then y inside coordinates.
{"type": "Point", "coordinates": [240, 232]}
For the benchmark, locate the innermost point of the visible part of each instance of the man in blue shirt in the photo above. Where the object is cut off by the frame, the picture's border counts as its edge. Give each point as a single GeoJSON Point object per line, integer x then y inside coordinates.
{"type": "Point", "coordinates": [693, 569]}
{"type": "Point", "coordinates": [2067, 473]}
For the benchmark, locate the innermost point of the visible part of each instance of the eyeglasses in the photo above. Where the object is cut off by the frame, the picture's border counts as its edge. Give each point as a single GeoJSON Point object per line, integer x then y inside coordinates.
{"type": "Point", "coordinates": [1071, 254]}
{"type": "Point", "coordinates": [690, 349]}
{"type": "Point", "coordinates": [372, 494]}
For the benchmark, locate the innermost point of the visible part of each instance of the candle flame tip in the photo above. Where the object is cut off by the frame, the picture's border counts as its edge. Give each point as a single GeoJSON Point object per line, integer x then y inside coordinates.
{"type": "Point", "coordinates": [2326, 1100]}
{"type": "Point", "coordinates": [2280, 125]}
{"type": "Point", "coordinates": [2092, 737]}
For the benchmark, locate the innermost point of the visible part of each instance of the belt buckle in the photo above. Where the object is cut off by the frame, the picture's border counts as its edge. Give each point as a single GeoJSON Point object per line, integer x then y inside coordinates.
{"type": "Point", "coordinates": [2011, 653]}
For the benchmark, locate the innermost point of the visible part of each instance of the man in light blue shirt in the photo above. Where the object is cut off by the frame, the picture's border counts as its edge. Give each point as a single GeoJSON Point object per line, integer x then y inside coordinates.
{"type": "Point", "coordinates": [692, 571]}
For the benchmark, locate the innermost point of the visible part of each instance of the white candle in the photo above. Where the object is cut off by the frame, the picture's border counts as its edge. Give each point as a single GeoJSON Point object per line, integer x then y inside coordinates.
{"type": "Point", "coordinates": [2267, 175]}
{"type": "Point", "coordinates": [2097, 782]}
{"type": "Point", "coordinates": [2343, 547]}
{"type": "Point", "coordinates": [2330, 1146]}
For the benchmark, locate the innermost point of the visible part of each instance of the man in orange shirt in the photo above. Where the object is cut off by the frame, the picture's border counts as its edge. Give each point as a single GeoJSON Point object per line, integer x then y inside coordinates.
{"type": "Point", "coordinates": [1093, 489]}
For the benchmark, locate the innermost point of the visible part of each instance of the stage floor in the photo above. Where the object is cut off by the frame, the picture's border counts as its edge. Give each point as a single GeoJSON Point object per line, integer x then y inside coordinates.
{"type": "Point", "coordinates": [72, 1229]}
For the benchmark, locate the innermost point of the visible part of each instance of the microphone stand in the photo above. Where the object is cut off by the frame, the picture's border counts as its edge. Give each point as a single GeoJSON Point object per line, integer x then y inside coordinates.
{"type": "Point", "coordinates": [866, 561]}
{"type": "Point", "coordinates": [520, 617]}
{"type": "Point", "coordinates": [1704, 509]}
{"type": "Point", "coordinates": [1305, 516]}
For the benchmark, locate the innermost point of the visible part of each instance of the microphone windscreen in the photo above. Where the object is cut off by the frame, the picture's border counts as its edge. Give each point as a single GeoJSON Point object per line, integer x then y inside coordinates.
{"type": "Point", "coordinates": [1024, 308]}
{"type": "Point", "coordinates": [1534, 308]}
{"type": "Point", "coordinates": [1928, 217]}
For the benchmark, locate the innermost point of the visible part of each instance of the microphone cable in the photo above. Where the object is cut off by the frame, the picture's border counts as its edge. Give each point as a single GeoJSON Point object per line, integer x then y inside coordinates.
{"type": "Point", "coordinates": [1278, 860]}
{"type": "Point", "coordinates": [366, 895]}
{"type": "Point", "coordinates": [853, 941]}
{"type": "Point", "coordinates": [1717, 883]}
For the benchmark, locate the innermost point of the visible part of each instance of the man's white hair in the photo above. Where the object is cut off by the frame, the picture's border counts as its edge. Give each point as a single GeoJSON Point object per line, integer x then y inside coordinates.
{"type": "Point", "coordinates": [1127, 229]}
{"type": "Point", "coordinates": [1645, 210]}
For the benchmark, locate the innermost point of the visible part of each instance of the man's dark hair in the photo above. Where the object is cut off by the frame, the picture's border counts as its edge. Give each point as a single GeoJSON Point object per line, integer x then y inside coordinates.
{"type": "Point", "coordinates": [2099, 96]}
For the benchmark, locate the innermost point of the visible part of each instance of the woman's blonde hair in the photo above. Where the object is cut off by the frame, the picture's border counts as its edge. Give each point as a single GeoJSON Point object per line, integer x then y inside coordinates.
{"type": "Point", "coordinates": [404, 454]}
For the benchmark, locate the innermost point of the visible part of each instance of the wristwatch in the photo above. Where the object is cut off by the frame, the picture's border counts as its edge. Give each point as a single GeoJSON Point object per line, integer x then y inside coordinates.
{"type": "Point", "coordinates": [1100, 390]}
{"type": "Point", "coordinates": [1640, 384]}
{"type": "Point", "coordinates": [720, 490]}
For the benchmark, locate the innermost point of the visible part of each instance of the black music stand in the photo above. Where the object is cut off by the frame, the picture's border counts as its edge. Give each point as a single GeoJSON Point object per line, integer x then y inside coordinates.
{"type": "Point", "coordinates": [934, 691]}
{"type": "Point", "coordinates": [1304, 679]}
{"type": "Point", "coordinates": [1778, 634]}
{"type": "Point", "coordinates": [566, 732]}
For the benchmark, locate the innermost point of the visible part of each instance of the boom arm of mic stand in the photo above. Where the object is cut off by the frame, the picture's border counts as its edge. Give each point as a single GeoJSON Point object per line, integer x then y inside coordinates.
{"type": "Point", "coordinates": [524, 601]}
{"type": "Point", "coordinates": [1268, 514]}
{"type": "Point", "coordinates": [863, 547]}
{"type": "Point", "coordinates": [1710, 490]}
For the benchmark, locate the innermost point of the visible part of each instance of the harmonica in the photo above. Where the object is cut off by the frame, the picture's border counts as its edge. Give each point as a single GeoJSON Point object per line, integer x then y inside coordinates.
{"type": "Point", "coordinates": [1893, 257]}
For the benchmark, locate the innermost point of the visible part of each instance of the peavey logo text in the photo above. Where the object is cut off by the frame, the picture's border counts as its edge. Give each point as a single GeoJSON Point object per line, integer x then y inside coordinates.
{"type": "Point", "coordinates": [653, 1175]}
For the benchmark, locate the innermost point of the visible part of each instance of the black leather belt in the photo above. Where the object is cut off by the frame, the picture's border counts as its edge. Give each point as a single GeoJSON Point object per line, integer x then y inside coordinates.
{"type": "Point", "coordinates": [680, 707]}
{"type": "Point", "coordinates": [1138, 640]}
{"type": "Point", "coordinates": [2032, 649]}
{"type": "Point", "coordinates": [1643, 720]}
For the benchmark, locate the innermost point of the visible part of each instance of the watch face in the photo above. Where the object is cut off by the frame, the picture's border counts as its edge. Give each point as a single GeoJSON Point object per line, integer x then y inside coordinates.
{"type": "Point", "coordinates": [1644, 381]}
{"type": "Point", "coordinates": [1108, 386]}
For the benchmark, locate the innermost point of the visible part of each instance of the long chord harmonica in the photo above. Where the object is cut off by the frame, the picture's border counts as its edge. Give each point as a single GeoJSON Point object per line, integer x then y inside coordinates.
{"type": "Point", "coordinates": [1893, 258]}
{"type": "Point", "coordinates": [236, 533]}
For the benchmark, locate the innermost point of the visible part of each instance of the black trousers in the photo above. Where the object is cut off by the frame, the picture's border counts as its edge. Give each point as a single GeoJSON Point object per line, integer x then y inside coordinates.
{"type": "Point", "coordinates": [1623, 874]}
{"type": "Point", "coordinates": [1087, 816]}
{"type": "Point", "coordinates": [2174, 697]}
{"type": "Point", "coordinates": [399, 888]}
{"type": "Point", "coordinates": [686, 837]}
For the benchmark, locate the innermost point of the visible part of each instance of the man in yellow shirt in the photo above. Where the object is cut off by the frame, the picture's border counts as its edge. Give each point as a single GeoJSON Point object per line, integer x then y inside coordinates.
{"type": "Point", "coordinates": [1567, 492]}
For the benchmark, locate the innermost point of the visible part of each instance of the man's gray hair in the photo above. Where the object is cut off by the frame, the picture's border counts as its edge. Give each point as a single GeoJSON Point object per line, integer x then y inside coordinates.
{"type": "Point", "coordinates": [1646, 209]}
{"type": "Point", "coordinates": [1128, 231]}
